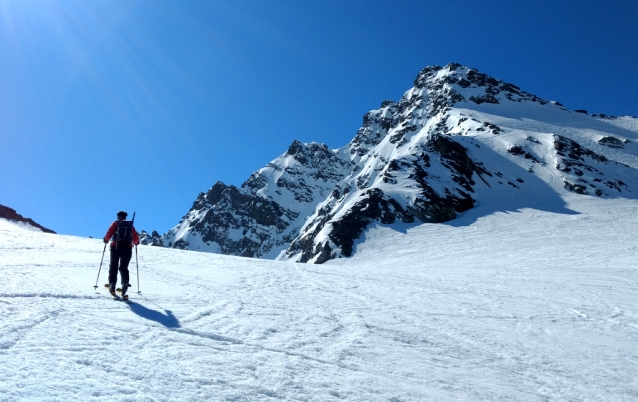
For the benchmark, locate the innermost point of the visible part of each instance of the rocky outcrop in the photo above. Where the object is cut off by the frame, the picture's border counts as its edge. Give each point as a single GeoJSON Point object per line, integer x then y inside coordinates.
{"type": "Point", "coordinates": [261, 218]}
{"type": "Point", "coordinates": [612, 142]}
{"type": "Point", "coordinates": [333, 230]}
{"type": "Point", "coordinates": [234, 221]}
{"type": "Point", "coordinates": [153, 239]}
{"type": "Point", "coordinates": [587, 177]}
{"type": "Point", "coordinates": [12, 215]}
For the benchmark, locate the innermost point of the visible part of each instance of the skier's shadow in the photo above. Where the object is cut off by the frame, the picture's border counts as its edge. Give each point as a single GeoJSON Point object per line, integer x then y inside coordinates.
{"type": "Point", "coordinates": [168, 320]}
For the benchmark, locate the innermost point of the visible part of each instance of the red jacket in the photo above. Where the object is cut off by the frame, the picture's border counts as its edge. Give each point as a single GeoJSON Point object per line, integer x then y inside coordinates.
{"type": "Point", "coordinates": [111, 232]}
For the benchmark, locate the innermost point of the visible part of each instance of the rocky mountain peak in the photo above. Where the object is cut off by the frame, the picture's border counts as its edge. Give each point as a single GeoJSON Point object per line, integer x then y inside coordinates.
{"type": "Point", "coordinates": [375, 127]}
{"type": "Point", "coordinates": [308, 155]}
{"type": "Point", "coordinates": [455, 83]}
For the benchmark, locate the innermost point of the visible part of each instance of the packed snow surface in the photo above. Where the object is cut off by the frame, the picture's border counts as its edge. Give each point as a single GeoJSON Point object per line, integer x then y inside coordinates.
{"type": "Point", "coordinates": [519, 305]}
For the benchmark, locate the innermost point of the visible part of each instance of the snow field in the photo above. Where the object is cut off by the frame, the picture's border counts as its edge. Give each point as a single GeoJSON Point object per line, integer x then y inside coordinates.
{"type": "Point", "coordinates": [515, 305]}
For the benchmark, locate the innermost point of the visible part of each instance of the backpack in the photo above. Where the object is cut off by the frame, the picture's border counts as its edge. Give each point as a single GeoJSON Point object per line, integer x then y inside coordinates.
{"type": "Point", "coordinates": [124, 232]}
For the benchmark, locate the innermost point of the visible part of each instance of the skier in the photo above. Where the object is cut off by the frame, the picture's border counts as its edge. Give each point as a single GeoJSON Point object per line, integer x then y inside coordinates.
{"type": "Point", "coordinates": [124, 236]}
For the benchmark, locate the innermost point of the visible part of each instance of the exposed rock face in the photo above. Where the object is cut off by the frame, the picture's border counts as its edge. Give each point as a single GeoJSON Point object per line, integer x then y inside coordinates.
{"type": "Point", "coordinates": [376, 124]}
{"type": "Point", "coordinates": [153, 239]}
{"type": "Point", "coordinates": [261, 218]}
{"type": "Point", "coordinates": [456, 134]}
{"type": "Point", "coordinates": [417, 200]}
{"type": "Point", "coordinates": [12, 215]}
{"type": "Point", "coordinates": [237, 222]}
{"type": "Point", "coordinates": [585, 168]}
{"type": "Point", "coordinates": [612, 142]}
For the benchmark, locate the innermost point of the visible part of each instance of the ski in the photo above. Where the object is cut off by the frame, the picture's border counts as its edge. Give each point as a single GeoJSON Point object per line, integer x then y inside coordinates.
{"type": "Point", "coordinates": [118, 290]}
{"type": "Point", "coordinates": [122, 299]}
{"type": "Point", "coordinates": [117, 297]}
{"type": "Point", "coordinates": [124, 296]}
{"type": "Point", "coordinates": [106, 285]}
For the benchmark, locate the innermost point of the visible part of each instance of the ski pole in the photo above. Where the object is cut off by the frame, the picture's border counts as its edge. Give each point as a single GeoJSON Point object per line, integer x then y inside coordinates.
{"type": "Point", "coordinates": [101, 261]}
{"type": "Point", "coordinates": [138, 271]}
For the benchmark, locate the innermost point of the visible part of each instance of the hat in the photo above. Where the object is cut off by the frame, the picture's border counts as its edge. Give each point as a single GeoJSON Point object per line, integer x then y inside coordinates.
{"type": "Point", "coordinates": [122, 214]}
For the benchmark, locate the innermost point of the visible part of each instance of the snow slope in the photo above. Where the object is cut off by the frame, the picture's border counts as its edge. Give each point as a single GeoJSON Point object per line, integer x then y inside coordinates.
{"type": "Point", "coordinates": [499, 304]}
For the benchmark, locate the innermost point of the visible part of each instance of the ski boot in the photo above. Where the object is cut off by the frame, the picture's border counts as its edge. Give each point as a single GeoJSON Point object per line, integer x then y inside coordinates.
{"type": "Point", "coordinates": [125, 287]}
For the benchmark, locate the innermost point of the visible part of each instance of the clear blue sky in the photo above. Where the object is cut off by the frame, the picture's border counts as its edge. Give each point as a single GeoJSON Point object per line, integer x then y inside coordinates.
{"type": "Point", "coordinates": [140, 105]}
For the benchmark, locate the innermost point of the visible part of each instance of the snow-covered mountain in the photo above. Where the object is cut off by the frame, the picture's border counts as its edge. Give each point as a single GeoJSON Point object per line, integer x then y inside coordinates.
{"type": "Point", "coordinates": [456, 139]}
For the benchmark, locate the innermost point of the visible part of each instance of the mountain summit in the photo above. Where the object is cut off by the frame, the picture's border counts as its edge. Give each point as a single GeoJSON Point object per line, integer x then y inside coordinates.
{"type": "Point", "coordinates": [458, 138]}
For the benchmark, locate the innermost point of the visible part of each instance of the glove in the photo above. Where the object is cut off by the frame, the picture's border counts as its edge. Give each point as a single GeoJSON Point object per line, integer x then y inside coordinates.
{"type": "Point", "coordinates": [105, 241]}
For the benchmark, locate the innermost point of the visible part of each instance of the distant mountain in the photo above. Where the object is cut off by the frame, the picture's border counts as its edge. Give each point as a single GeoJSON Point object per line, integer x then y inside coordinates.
{"type": "Point", "coordinates": [456, 139]}
{"type": "Point", "coordinates": [12, 215]}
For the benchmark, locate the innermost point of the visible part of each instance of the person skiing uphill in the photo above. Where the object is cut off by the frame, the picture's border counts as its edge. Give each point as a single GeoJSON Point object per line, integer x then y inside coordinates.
{"type": "Point", "coordinates": [124, 236]}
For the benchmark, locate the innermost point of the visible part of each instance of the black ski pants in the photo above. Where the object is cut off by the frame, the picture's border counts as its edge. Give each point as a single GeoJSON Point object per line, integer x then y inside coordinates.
{"type": "Point", "coordinates": [120, 257]}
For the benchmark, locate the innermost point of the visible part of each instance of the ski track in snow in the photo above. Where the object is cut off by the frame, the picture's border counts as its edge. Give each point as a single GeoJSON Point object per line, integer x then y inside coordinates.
{"type": "Point", "coordinates": [515, 306]}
